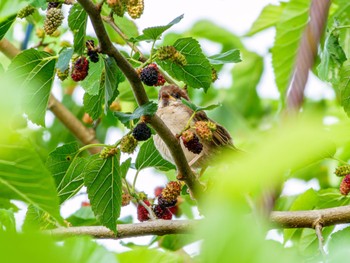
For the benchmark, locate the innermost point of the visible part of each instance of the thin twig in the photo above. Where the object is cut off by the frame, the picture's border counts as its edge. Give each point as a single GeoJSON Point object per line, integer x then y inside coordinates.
{"type": "Point", "coordinates": [318, 229]}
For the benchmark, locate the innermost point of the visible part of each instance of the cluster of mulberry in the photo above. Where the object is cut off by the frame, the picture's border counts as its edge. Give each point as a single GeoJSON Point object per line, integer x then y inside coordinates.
{"type": "Point", "coordinates": [141, 132]}
{"type": "Point", "coordinates": [344, 171]}
{"type": "Point", "coordinates": [170, 52]}
{"type": "Point", "coordinates": [80, 69]}
{"type": "Point", "coordinates": [191, 142]}
{"type": "Point", "coordinates": [91, 51]}
{"type": "Point", "coordinates": [54, 18]}
{"type": "Point", "coordinates": [26, 11]}
{"type": "Point", "coordinates": [133, 7]}
{"type": "Point", "coordinates": [151, 76]}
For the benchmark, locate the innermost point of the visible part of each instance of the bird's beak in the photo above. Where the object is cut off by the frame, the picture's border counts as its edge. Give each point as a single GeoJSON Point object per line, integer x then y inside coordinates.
{"type": "Point", "coordinates": [166, 96]}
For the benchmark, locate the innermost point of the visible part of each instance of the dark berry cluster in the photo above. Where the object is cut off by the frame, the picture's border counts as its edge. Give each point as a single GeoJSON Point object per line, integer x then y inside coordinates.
{"type": "Point", "coordinates": [162, 212]}
{"type": "Point", "coordinates": [92, 51]}
{"type": "Point", "coordinates": [191, 142]}
{"type": "Point", "coordinates": [151, 76]}
{"type": "Point", "coordinates": [80, 69]}
{"type": "Point", "coordinates": [141, 132]}
{"type": "Point", "coordinates": [52, 5]}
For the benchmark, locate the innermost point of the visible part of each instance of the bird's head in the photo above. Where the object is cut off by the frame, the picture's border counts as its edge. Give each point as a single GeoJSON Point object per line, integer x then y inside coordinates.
{"type": "Point", "coordinates": [171, 95]}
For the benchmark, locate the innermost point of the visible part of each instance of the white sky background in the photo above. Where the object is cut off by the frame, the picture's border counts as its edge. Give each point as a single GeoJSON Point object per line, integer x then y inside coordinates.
{"type": "Point", "coordinates": [235, 16]}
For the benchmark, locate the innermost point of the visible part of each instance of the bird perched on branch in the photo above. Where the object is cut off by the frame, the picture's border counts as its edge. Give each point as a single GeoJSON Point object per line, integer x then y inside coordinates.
{"type": "Point", "coordinates": [200, 137]}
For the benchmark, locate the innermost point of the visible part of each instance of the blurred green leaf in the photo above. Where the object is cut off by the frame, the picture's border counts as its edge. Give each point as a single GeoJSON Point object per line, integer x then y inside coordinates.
{"type": "Point", "coordinates": [154, 33]}
{"type": "Point", "coordinates": [151, 255]}
{"type": "Point", "coordinates": [5, 24]}
{"type": "Point", "coordinates": [102, 178]}
{"type": "Point", "coordinates": [289, 31]}
{"type": "Point", "coordinates": [64, 58]}
{"type": "Point", "coordinates": [35, 71]}
{"type": "Point", "coordinates": [7, 221]}
{"type": "Point", "coordinates": [91, 83]}
{"type": "Point", "coordinates": [176, 242]}
{"type": "Point", "coordinates": [24, 177]}
{"type": "Point", "coordinates": [124, 167]}
{"type": "Point", "coordinates": [269, 16]}
{"type": "Point", "coordinates": [83, 217]}
{"type": "Point", "coordinates": [197, 71]}
{"type": "Point", "coordinates": [231, 56]}
{"type": "Point", "coordinates": [148, 109]}
{"type": "Point", "coordinates": [149, 156]}
{"type": "Point", "coordinates": [77, 20]}
{"type": "Point", "coordinates": [36, 219]}
{"type": "Point", "coordinates": [344, 87]}
{"type": "Point", "coordinates": [9, 8]}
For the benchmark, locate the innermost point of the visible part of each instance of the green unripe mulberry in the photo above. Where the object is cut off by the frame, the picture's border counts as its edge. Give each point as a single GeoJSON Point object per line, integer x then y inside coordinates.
{"type": "Point", "coordinates": [53, 20]}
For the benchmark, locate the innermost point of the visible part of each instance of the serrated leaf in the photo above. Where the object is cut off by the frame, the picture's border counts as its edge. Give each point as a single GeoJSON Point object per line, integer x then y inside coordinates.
{"type": "Point", "coordinates": [102, 178]}
{"type": "Point", "coordinates": [124, 167]}
{"type": "Point", "coordinates": [77, 20]}
{"type": "Point", "coordinates": [197, 71]}
{"type": "Point", "coordinates": [196, 108]}
{"type": "Point", "coordinates": [5, 24]}
{"type": "Point", "coordinates": [154, 33]}
{"type": "Point", "coordinates": [66, 169]}
{"type": "Point", "coordinates": [35, 71]}
{"type": "Point", "coordinates": [149, 156]}
{"type": "Point", "coordinates": [64, 59]}
{"type": "Point", "coordinates": [93, 103]}
{"type": "Point", "coordinates": [112, 79]}
{"type": "Point", "coordinates": [289, 31]}
{"type": "Point", "coordinates": [230, 56]}
{"type": "Point", "coordinates": [268, 17]}
{"type": "Point", "coordinates": [91, 83]}
{"type": "Point", "coordinates": [7, 221]}
{"type": "Point", "coordinates": [148, 109]}
{"type": "Point", "coordinates": [24, 177]}
{"type": "Point", "coordinates": [344, 86]}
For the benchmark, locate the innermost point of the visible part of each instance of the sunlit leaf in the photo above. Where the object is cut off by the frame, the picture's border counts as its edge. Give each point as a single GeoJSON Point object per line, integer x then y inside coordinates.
{"type": "Point", "coordinates": [268, 17]}
{"type": "Point", "coordinates": [7, 221]}
{"type": "Point", "coordinates": [197, 72]}
{"type": "Point", "coordinates": [5, 24]}
{"type": "Point", "coordinates": [289, 31]}
{"type": "Point", "coordinates": [148, 108]}
{"type": "Point", "coordinates": [37, 220]}
{"type": "Point", "coordinates": [64, 59]}
{"type": "Point", "coordinates": [24, 177]}
{"type": "Point", "coordinates": [344, 86]}
{"type": "Point", "coordinates": [93, 103]}
{"type": "Point", "coordinates": [35, 70]}
{"type": "Point", "coordinates": [231, 56]}
{"type": "Point", "coordinates": [91, 83]}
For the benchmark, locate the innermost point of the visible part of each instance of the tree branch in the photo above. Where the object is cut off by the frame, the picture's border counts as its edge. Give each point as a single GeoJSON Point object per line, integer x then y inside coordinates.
{"type": "Point", "coordinates": [309, 219]}
{"type": "Point", "coordinates": [185, 172]}
{"type": "Point", "coordinates": [68, 119]}
{"type": "Point", "coordinates": [156, 227]}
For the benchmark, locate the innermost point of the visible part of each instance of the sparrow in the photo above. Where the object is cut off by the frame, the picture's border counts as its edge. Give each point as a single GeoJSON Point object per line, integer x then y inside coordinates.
{"type": "Point", "coordinates": [176, 115]}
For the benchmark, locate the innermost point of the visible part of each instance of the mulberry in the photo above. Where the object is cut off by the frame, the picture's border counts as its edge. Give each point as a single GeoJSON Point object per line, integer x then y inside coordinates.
{"type": "Point", "coordinates": [191, 142]}
{"type": "Point", "coordinates": [142, 213]}
{"type": "Point", "coordinates": [149, 75]}
{"type": "Point", "coordinates": [203, 130]}
{"type": "Point", "coordinates": [80, 69]}
{"type": "Point", "coordinates": [345, 185]}
{"type": "Point", "coordinates": [26, 11]}
{"type": "Point", "coordinates": [135, 8]}
{"type": "Point", "coordinates": [141, 132]}
{"type": "Point", "coordinates": [162, 212]}
{"type": "Point", "coordinates": [128, 144]}
{"type": "Point", "coordinates": [53, 20]}
{"type": "Point", "coordinates": [342, 170]}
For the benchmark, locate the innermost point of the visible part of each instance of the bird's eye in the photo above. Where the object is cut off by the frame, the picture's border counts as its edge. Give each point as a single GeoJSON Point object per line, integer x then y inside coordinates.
{"type": "Point", "coordinates": [176, 95]}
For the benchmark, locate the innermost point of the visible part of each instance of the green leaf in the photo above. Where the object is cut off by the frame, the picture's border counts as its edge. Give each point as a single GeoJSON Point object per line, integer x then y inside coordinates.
{"type": "Point", "coordinates": [102, 178]}
{"type": "Point", "coordinates": [148, 109]}
{"type": "Point", "coordinates": [197, 72]}
{"type": "Point", "coordinates": [85, 249]}
{"type": "Point", "coordinates": [37, 220]}
{"type": "Point", "coordinates": [154, 33]}
{"type": "Point", "coordinates": [268, 17]}
{"type": "Point", "coordinates": [151, 255]}
{"type": "Point", "coordinates": [149, 156]}
{"type": "Point", "coordinates": [344, 86]}
{"type": "Point", "coordinates": [24, 177]}
{"type": "Point", "coordinates": [199, 108]}
{"type": "Point", "coordinates": [77, 20]}
{"type": "Point", "coordinates": [9, 8]}
{"type": "Point", "coordinates": [7, 221]}
{"type": "Point", "coordinates": [66, 169]}
{"type": "Point", "coordinates": [289, 31]}
{"type": "Point", "coordinates": [93, 103]}
{"type": "Point", "coordinates": [332, 58]}
{"type": "Point", "coordinates": [339, 239]}
{"type": "Point", "coordinates": [124, 167]}
{"type": "Point", "coordinates": [5, 24]}
{"type": "Point", "coordinates": [35, 71]}
{"type": "Point", "coordinates": [91, 83]}
{"type": "Point", "coordinates": [231, 56]}
{"type": "Point", "coordinates": [113, 77]}
{"type": "Point", "coordinates": [83, 217]}
{"type": "Point", "coordinates": [64, 59]}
